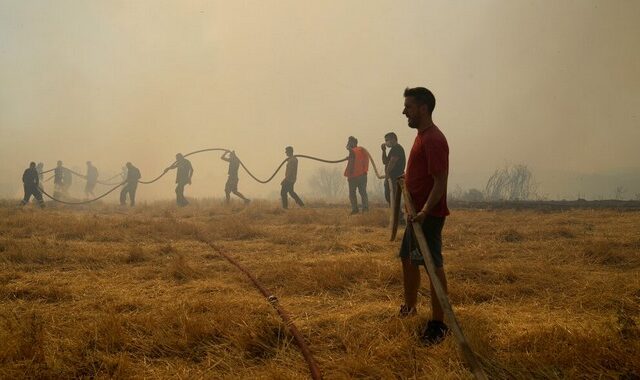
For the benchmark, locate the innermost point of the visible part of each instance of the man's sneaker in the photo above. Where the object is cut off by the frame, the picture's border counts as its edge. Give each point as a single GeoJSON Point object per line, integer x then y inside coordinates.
{"type": "Point", "coordinates": [434, 333]}
{"type": "Point", "coordinates": [353, 212]}
{"type": "Point", "coordinates": [406, 311]}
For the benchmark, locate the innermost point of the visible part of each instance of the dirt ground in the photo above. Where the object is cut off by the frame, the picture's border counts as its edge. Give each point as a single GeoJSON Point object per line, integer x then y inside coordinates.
{"type": "Point", "coordinates": [102, 291]}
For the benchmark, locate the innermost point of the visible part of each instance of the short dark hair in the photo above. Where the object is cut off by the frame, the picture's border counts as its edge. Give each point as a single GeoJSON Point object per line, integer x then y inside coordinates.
{"type": "Point", "coordinates": [422, 95]}
{"type": "Point", "coordinates": [289, 148]}
{"type": "Point", "coordinates": [355, 140]}
{"type": "Point", "coordinates": [391, 135]}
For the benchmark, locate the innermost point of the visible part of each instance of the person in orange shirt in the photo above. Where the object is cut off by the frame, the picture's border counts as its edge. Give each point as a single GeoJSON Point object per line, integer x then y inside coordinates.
{"type": "Point", "coordinates": [356, 173]}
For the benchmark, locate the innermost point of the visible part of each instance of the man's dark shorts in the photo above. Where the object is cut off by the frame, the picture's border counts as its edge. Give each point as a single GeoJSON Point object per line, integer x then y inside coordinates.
{"type": "Point", "coordinates": [432, 228]}
{"type": "Point", "coordinates": [231, 185]}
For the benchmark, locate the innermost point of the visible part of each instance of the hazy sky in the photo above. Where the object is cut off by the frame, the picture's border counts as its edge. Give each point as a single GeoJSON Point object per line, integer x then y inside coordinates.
{"type": "Point", "coordinates": [552, 84]}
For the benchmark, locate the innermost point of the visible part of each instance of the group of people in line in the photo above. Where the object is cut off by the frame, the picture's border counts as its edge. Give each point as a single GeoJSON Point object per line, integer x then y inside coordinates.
{"type": "Point", "coordinates": [355, 172]}
{"type": "Point", "coordinates": [33, 181]}
{"type": "Point", "coordinates": [425, 179]}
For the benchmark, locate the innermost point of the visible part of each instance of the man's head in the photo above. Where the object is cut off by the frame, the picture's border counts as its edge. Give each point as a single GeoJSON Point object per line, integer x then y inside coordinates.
{"type": "Point", "coordinates": [129, 165]}
{"type": "Point", "coordinates": [390, 139]}
{"type": "Point", "coordinates": [289, 151]}
{"type": "Point", "coordinates": [88, 163]}
{"type": "Point", "coordinates": [352, 142]}
{"type": "Point", "coordinates": [419, 104]}
{"type": "Point", "coordinates": [179, 157]}
{"type": "Point", "coordinates": [32, 165]}
{"type": "Point", "coordinates": [59, 163]}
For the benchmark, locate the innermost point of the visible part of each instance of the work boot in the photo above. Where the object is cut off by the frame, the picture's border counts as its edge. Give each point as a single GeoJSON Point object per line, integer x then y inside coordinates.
{"type": "Point", "coordinates": [434, 333]}
{"type": "Point", "coordinates": [354, 211]}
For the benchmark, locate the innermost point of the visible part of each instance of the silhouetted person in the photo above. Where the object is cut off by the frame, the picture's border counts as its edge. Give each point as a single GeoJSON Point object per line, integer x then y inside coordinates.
{"type": "Point", "coordinates": [131, 185]}
{"type": "Point", "coordinates": [426, 181]}
{"type": "Point", "coordinates": [356, 173]}
{"type": "Point", "coordinates": [232, 181]}
{"type": "Point", "coordinates": [59, 180]}
{"type": "Point", "coordinates": [30, 182]}
{"type": "Point", "coordinates": [92, 179]}
{"type": "Point", "coordinates": [183, 177]}
{"type": "Point", "coordinates": [68, 180]}
{"type": "Point", "coordinates": [394, 163]}
{"type": "Point", "coordinates": [290, 176]}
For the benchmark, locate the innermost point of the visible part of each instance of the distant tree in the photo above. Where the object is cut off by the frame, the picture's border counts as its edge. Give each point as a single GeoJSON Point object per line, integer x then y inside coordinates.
{"type": "Point", "coordinates": [328, 183]}
{"type": "Point", "coordinates": [473, 195]}
{"type": "Point", "coordinates": [511, 183]}
{"type": "Point", "coordinates": [637, 196]}
{"type": "Point", "coordinates": [456, 193]}
{"type": "Point", "coordinates": [619, 193]}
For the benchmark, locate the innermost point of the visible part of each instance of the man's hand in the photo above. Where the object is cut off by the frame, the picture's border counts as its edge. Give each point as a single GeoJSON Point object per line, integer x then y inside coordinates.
{"type": "Point", "coordinates": [418, 218]}
{"type": "Point", "coordinates": [383, 146]}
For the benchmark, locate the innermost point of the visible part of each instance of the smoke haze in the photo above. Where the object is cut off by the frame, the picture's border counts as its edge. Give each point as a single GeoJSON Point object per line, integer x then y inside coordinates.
{"type": "Point", "coordinates": [554, 85]}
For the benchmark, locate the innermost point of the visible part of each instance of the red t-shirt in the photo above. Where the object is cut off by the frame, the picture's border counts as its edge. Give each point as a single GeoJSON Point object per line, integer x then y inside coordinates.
{"type": "Point", "coordinates": [429, 155]}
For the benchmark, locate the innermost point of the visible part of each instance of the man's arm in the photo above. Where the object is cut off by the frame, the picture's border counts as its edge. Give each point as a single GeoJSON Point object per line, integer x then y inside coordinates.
{"type": "Point", "coordinates": [224, 156]}
{"type": "Point", "coordinates": [438, 191]}
{"type": "Point", "coordinates": [190, 171]}
{"type": "Point", "coordinates": [385, 159]}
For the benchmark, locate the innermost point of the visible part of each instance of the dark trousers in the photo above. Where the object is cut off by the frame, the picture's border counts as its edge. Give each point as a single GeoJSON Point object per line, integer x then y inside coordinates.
{"type": "Point", "coordinates": [287, 189]}
{"type": "Point", "coordinates": [130, 188]}
{"type": "Point", "coordinates": [58, 190]}
{"type": "Point", "coordinates": [180, 199]}
{"type": "Point", "coordinates": [88, 189]}
{"type": "Point", "coordinates": [30, 190]}
{"type": "Point", "coordinates": [360, 184]}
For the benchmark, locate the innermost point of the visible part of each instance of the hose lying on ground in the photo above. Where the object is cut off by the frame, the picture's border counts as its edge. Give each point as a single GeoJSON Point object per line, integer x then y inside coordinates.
{"type": "Point", "coordinates": [273, 300]}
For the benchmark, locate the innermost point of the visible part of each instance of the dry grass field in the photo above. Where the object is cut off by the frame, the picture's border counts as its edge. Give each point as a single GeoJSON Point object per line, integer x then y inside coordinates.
{"type": "Point", "coordinates": [105, 292]}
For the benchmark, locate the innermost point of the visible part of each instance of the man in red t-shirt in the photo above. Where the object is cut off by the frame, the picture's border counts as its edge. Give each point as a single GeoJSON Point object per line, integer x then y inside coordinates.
{"type": "Point", "coordinates": [426, 179]}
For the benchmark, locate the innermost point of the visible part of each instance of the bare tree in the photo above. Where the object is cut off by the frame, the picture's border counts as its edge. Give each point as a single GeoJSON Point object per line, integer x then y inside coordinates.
{"type": "Point", "coordinates": [473, 195]}
{"type": "Point", "coordinates": [619, 193]}
{"type": "Point", "coordinates": [511, 183]}
{"type": "Point", "coordinates": [328, 183]}
{"type": "Point", "coordinates": [456, 193]}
